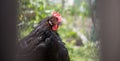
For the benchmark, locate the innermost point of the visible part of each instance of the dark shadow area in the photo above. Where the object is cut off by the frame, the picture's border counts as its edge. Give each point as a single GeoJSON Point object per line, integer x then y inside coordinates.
{"type": "Point", "coordinates": [7, 29]}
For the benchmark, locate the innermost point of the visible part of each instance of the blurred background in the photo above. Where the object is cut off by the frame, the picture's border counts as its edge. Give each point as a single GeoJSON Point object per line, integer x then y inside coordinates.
{"type": "Point", "coordinates": [79, 29]}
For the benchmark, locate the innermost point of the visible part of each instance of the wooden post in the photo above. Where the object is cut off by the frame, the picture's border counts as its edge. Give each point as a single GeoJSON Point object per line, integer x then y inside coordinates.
{"type": "Point", "coordinates": [8, 15]}
{"type": "Point", "coordinates": [108, 13]}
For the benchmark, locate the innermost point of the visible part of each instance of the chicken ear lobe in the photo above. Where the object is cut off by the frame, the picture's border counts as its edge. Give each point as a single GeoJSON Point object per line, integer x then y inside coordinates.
{"type": "Point", "coordinates": [55, 27]}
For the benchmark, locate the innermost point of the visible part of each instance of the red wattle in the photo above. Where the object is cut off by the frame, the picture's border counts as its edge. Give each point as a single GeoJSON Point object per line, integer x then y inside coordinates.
{"type": "Point", "coordinates": [55, 27]}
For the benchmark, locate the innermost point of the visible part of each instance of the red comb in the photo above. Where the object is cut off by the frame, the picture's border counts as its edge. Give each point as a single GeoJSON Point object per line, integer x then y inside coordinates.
{"type": "Point", "coordinates": [56, 14]}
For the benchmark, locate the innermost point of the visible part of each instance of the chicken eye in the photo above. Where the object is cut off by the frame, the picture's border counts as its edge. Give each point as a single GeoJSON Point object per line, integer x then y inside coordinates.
{"type": "Point", "coordinates": [57, 19]}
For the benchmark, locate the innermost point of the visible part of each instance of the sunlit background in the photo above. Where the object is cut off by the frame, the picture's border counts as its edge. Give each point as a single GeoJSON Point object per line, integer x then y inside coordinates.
{"type": "Point", "coordinates": [78, 29]}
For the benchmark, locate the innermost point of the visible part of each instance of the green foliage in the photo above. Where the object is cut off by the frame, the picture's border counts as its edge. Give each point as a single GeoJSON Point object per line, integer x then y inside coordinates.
{"type": "Point", "coordinates": [84, 9]}
{"type": "Point", "coordinates": [30, 14]}
{"type": "Point", "coordinates": [87, 52]}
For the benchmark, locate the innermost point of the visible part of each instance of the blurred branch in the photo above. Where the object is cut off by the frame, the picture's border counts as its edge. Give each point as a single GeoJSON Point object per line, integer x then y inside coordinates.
{"type": "Point", "coordinates": [92, 6]}
{"type": "Point", "coordinates": [63, 4]}
{"type": "Point", "coordinates": [47, 2]}
{"type": "Point", "coordinates": [92, 11]}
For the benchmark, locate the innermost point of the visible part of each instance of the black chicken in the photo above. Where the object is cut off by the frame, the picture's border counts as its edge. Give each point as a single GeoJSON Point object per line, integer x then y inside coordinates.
{"type": "Point", "coordinates": [43, 43]}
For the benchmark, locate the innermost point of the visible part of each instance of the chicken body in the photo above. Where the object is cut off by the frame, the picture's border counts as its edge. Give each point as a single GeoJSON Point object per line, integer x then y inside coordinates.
{"type": "Point", "coordinates": [42, 44]}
